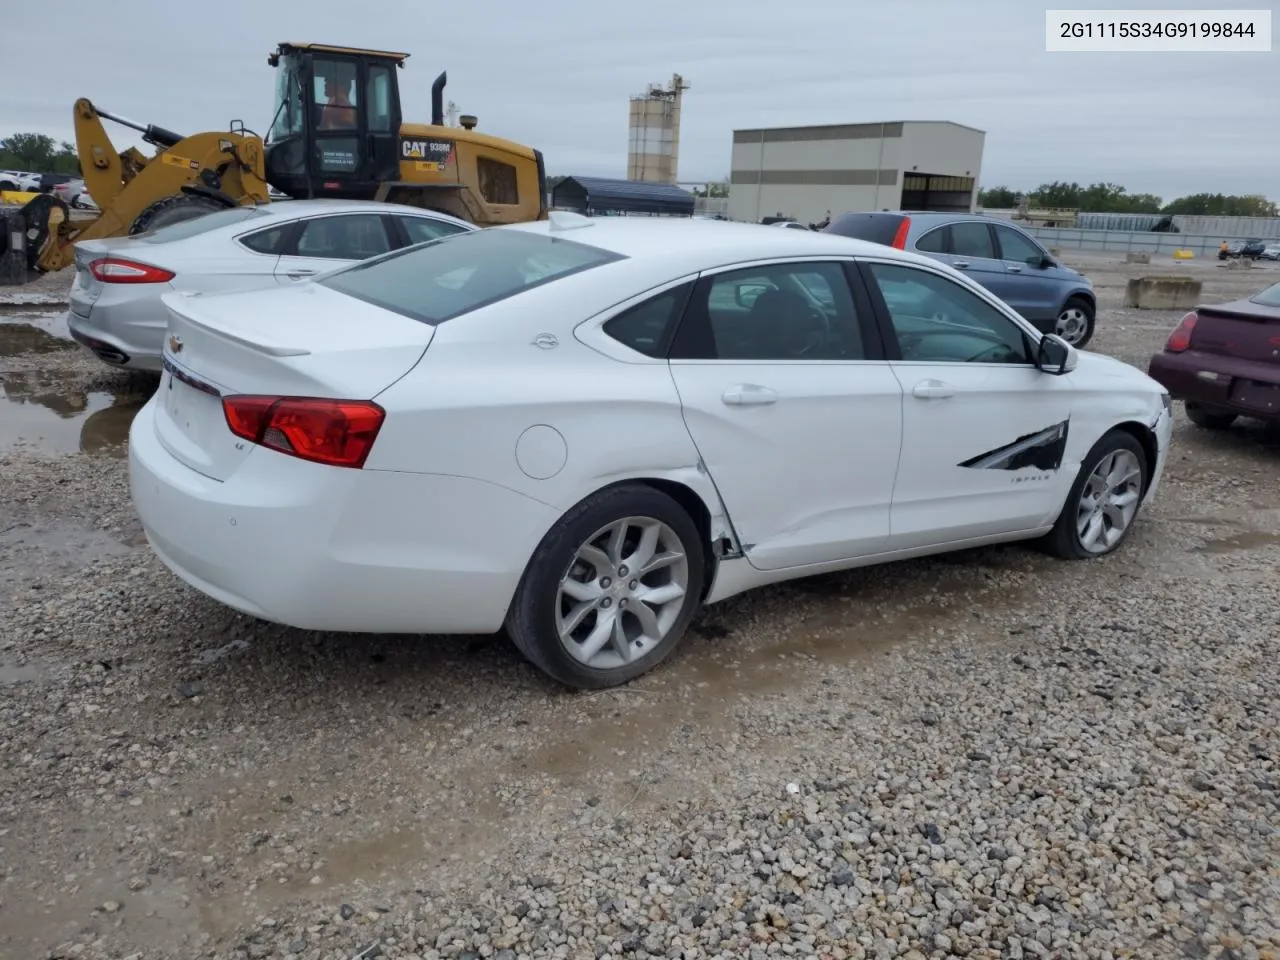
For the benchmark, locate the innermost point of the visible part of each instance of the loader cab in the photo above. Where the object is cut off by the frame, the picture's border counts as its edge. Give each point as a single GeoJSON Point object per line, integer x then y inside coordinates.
{"type": "Point", "coordinates": [336, 121]}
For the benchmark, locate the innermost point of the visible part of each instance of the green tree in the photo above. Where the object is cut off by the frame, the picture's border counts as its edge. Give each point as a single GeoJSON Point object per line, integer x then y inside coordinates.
{"type": "Point", "coordinates": [1221, 205]}
{"type": "Point", "coordinates": [37, 153]}
{"type": "Point", "coordinates": [1056, 194]}
{"type": "Point", "coordinates": [998, 198]}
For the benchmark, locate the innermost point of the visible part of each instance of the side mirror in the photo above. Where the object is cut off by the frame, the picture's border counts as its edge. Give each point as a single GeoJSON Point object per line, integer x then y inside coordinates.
{"type": "Point", "coordinates": [1046, 262]}
{"type": "Point", "coordinates": [1055, 356]}
{"type": "Point", "coordinates": [745, 294]}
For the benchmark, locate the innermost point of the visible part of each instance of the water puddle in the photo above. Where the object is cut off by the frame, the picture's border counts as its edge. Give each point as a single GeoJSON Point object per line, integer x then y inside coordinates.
{"type": "Point", "coordinates": [35, 333]}
{"type": "Point", "coordinates": [1251, 540]}
{"type": "Point", "coordinates": [45, 413]}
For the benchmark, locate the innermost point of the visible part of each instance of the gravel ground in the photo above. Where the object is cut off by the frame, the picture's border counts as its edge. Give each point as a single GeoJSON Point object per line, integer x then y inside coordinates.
{"type": "Point", "coordinates": [986, 755]}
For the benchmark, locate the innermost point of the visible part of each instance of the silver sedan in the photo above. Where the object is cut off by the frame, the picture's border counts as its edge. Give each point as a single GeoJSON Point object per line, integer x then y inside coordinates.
{"type": "Point", "coordinates": [116, 310]}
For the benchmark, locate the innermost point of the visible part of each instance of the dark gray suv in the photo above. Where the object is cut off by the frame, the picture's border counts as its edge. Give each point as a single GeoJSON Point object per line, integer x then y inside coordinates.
{"type": "Point", "coordinates": [1006, 260]}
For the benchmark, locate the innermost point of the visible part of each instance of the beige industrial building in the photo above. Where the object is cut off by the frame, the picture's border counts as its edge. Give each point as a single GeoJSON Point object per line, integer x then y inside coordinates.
{"type": "Point", "coordinates": [807, 173]}
{"type": "Point", "coordinates": [653, 148]}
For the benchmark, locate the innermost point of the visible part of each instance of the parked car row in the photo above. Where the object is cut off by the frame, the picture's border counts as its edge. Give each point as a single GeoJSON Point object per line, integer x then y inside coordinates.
{"type": "Point", "coordinates": [582, 430]}
{"type": "Point", "coordinates": [1248, 249]}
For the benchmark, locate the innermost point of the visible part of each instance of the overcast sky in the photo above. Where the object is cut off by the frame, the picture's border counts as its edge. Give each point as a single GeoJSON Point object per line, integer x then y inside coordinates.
{"type": "Point", "coordinates": [557, 74]}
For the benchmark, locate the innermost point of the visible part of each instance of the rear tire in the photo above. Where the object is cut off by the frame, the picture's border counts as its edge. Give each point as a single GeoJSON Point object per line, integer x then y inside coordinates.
{"type": "Point", "coordinates": [582, 616]}
{"type": "Point", "coordinates": [1075, 322]}
{"type": "Point", "coordinates": [1208, 419]}
{"type": "Point", "coordinates": [1104, 501]}
{"type": "Point", "coordinates": [175, 209]}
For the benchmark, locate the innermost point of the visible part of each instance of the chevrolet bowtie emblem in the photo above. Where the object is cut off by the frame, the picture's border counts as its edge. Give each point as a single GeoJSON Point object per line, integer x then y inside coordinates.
{"type": "Point", "coordinates": [175, 344]}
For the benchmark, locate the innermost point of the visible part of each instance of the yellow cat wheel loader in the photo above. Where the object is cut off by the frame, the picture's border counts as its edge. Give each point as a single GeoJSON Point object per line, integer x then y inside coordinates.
{"type": "Point", "coordinates": [336, 131]}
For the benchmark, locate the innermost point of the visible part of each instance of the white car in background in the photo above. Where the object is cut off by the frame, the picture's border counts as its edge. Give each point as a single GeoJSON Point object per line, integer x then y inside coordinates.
{"type": "Point", "coordinates": [74, 194]}
{"type": "Point", "coordinates": [584, 429]}
{"type": "Point", "coordinates": [19, 181]}
{"type": "Point", "coordinates": [116, 310]}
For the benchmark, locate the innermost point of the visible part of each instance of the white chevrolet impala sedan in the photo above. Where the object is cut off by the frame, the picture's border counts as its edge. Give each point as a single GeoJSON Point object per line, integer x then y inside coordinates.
{"type": "Point", "coordinates": [581, 430]}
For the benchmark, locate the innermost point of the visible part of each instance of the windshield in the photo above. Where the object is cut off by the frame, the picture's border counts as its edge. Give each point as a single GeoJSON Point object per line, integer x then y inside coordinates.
{"type": "Point", "coordinates": [442, 279]}
{"type": "Point", "coordinates": [1269, 297]}
{"type": "Point", "coordinates": [202, 224]}
{"type": "Point", "coordinates": [286, 111]}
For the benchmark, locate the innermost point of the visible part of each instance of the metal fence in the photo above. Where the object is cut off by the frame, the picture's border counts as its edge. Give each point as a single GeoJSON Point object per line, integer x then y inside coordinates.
{"type": "Point", "coordinates": [1124, 241]}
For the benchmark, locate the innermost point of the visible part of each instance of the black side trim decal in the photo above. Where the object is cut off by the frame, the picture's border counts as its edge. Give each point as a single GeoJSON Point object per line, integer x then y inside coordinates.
{"type": "Point", "coordinates": [1043, 450]}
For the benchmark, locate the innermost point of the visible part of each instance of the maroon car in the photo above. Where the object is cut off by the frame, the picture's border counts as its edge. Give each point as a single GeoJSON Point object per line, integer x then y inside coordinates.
{"type": "Point", "coordinates": [1223, 361]}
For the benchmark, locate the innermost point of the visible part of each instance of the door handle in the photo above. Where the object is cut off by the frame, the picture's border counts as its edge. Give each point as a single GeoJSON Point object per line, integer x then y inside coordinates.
{"type": "Point", "coordinates": [299, 274]}
{"type": "Point", "coordinates": [748, 394]}
{"type": "Point", "coordinates": [960, 264]}
{"type": "Point", "coordinates": [933, 390]}
{"type": "Point", "coordinates": [1014, 268]}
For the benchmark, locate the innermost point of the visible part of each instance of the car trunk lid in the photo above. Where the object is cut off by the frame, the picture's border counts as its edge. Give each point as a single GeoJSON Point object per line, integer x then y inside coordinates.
{"type": "Point", "coordinates": [1242, 329]}
{"type": "Point", "coordinates": [302, 341]}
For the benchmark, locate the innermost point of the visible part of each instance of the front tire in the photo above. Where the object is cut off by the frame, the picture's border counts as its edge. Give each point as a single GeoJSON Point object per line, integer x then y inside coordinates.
{"type": "Point", "coordinates": [610, 590]}
{"type": "Point", "coordinates": [1075, 322]}
{"type": "Point", "coordinates": [1208, 419]}
{"type": "Point", "coordinates": [1104, 500]}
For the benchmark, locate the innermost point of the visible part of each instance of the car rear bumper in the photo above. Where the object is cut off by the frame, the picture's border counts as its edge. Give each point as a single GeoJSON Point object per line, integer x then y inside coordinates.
{"type": "Point", "coordinates": [123, 335]}
{"type": "Point", "coordinates": [326, 548]}
{"type": "Point", "coordinates": [1217, 381]}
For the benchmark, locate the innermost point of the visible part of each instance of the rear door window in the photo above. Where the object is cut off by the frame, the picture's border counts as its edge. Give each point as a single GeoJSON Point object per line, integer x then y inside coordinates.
{"type": "Point", "coordinates": [440, 281]}
{"type": "Point", "coordinates": [969, 239]}
{"type": "Point", "coordinates": [353, 236]}
{"type": "Point", "coordinates": [648, 327]}
{"type": "Point", "coordinates": [270, 241]}
{"type": "Point", "coordinates": [935, 241]}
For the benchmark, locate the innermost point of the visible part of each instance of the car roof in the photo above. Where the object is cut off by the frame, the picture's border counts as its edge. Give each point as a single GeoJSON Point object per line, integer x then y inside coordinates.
{"type": "Point", "coordinates": [691, 245]}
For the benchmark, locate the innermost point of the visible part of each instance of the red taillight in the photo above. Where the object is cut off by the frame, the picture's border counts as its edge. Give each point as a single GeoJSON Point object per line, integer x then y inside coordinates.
{"type": "Point", "coordinates": [900, 238]}
{"type": "Point", "coordinates": [339, 433]}
{"type": "Point", "coordinates": [1180, 339]}
{"type": "Point", "coordinates": [116, 270]}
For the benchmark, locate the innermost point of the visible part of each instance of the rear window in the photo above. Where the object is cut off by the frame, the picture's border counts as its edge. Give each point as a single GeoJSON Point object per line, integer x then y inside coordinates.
{"type": "Point", "coordinates": [1269, 297]}
{"type": "Point", "coordinates": [445, 278]}
{"type": "Point", "coordinates": [875, 227]}
{"type": "Point", "coordinates": [201, 224]}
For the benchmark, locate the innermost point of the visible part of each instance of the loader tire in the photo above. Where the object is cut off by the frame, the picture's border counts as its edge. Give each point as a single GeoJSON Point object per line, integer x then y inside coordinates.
{"type": "Point", "coordinates": [172, 210]}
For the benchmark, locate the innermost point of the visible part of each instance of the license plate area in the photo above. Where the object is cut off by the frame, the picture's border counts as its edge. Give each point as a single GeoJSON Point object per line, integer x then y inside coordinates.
{"type": "Point", "coordinates": [1256, 395]}
{"type": "Point", "coordinates": [191, 404]}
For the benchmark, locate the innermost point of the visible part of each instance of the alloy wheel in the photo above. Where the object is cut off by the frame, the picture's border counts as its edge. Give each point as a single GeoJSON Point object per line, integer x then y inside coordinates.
{"type": "Point", "coordinates": [622, 593]}
{"type": "Point", "coordinates": [1109, 501]}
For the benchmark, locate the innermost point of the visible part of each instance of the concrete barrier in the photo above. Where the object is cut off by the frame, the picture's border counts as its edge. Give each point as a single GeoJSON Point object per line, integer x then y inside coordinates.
{"type": "Point", "coordinates": [1162, 293]}
{"type": "Point", "coordinates": [1137, 257]}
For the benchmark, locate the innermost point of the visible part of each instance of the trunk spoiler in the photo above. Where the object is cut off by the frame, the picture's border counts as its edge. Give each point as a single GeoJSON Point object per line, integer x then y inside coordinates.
{"type": "Point", "coordinates": [196, 318]}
